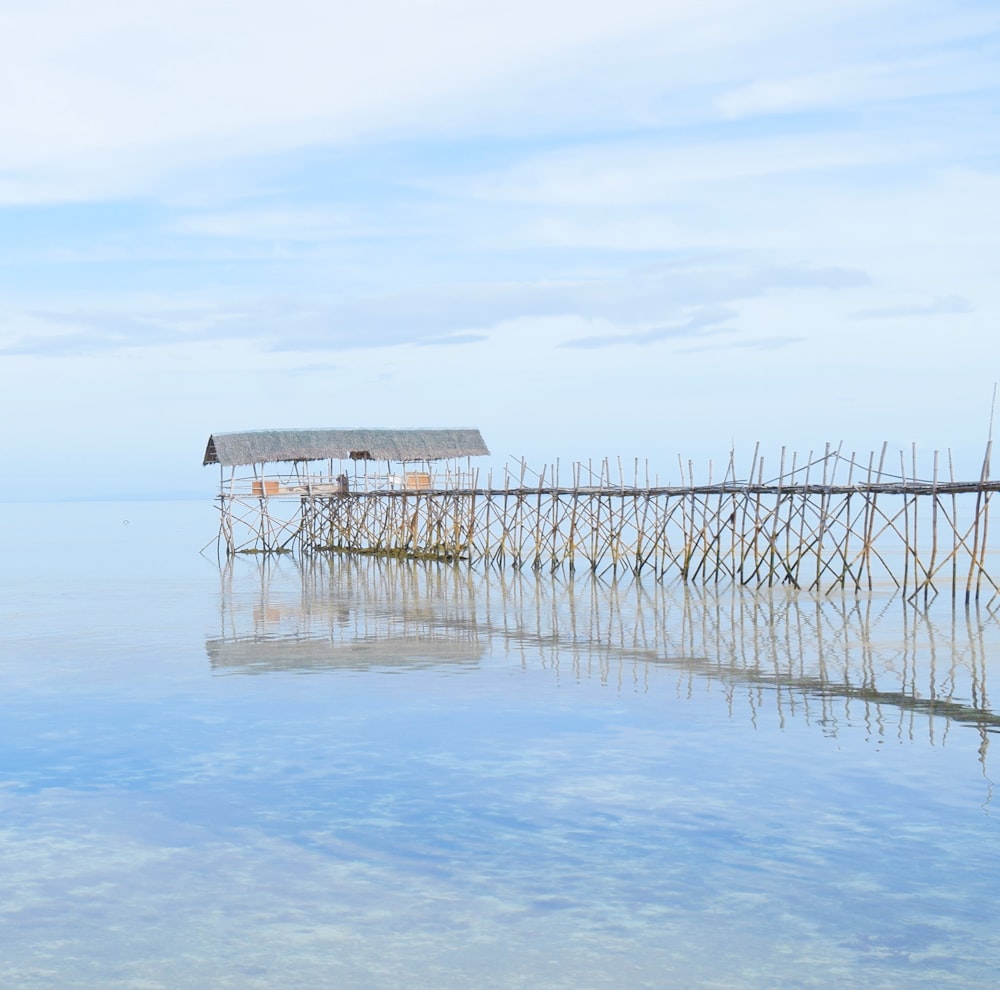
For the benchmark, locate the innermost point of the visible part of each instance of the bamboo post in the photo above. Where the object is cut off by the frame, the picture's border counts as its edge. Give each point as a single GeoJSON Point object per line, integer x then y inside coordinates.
{"type": "Point", "coordinates": [934, 529]}
{"type": "Point", "coordinates": [986, 521]}
{"type": "Point", "coordinates": [745, 502]}
{"type": "Point", "coordinates": [906, 524]}
{"type": "Point", "coordinates": [773, 555]}
{"type": "Point", "coordinates": [983, 476]}
{"type": "Point", "coordinates": [755, 546]}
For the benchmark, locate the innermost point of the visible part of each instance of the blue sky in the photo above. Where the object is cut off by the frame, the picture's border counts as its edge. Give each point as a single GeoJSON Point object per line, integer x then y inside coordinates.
{"type": "Point", "coordinates": [589, 229]}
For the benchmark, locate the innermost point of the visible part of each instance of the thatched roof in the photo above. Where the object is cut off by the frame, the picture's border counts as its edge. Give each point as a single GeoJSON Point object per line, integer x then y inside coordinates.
{"type": "Point", "coordinates": [270, 446]}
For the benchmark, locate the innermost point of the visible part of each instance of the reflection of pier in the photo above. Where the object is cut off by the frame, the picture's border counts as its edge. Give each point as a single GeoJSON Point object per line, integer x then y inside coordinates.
{"type": "Point", "coordinates": [835, 662]}
{"type": "Point", "coordinates": [817, 523]}
{"type": "Point", "coordinates": [302, 619]}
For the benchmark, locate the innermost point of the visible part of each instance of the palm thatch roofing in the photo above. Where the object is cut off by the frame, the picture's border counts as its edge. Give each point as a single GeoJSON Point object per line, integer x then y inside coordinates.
{"type": "Point", "coordinates": [270, 446]}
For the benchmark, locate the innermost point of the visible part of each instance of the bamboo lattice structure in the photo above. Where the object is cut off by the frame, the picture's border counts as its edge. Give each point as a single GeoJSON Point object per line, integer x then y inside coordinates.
{"type": "Point", "coordinates": [821, 523]}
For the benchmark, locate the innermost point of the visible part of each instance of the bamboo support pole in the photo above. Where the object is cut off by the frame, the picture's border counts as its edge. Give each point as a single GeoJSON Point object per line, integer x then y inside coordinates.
{"type": "Point", "coordinates": [928, 584]}
{"type": "Point", "coordinates": [986, 519]}
{"type": "Point", "coordinates": [907, 551]}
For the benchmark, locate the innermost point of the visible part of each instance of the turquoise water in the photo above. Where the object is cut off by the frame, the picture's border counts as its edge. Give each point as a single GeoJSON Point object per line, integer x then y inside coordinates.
{"type": "Point", "coordinates": [353, 773]}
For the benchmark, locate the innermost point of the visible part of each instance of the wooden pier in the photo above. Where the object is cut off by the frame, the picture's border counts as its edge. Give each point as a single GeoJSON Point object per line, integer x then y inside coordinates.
{"type": "Point", "coordinates": [817, 523]}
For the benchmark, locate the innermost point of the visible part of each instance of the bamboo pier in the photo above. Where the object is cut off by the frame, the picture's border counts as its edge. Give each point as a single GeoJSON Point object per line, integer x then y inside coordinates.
{"type": "Point", "coordinates": [817, 523]}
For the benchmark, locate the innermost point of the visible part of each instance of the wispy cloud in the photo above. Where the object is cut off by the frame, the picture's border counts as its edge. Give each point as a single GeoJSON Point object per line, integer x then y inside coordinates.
{"type": "Point", "coordinates": [653, 171]}
{"type": "Point", "coordinates": [445, 315]}
{"type": "Point", "coordinates": [143, 88]}
{"type": "Point", "coordinates": [452, 339]}
{"type": "Point", "coordinates": [750, 344]}
{"type": "Point", "coordinates": [861, 83]}
{"type": "Point", "coordinates": [700, 324]}
{"type": "Point", "coordinates": [943, 305]}
{"type": "Point", "coordinates": [293, 224]}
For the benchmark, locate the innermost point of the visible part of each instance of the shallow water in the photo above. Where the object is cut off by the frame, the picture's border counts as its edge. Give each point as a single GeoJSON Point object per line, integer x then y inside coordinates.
{"type": "Point", "coordinates": [361, 773]}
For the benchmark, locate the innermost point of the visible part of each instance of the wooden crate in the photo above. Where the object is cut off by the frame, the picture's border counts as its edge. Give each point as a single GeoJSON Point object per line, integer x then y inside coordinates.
{"type": "Point", "coordinates": [417, 481]}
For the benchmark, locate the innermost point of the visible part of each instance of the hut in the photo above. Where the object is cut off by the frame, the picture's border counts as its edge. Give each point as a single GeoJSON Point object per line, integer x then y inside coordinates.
{"type": "Point", "coordinates": [336, 461]}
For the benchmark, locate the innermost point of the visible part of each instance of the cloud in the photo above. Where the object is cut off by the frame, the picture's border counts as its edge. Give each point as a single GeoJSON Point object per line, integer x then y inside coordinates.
{"type": "Point", "coordinates": [943, 305]}
{"type": "Point", "coordinates": [860, 83]}
{"type": "Point", "coordinates": [752, 344]}
{"type": "Point", "coordinates": [444, 315]}
{"type": "Point", "coordinates": [447, 340]}
{"type": "Point", "coordinates": [123, 94]}
{"type": "Point", "coordinates": [263, 224]}
{"type": "Point", "coordinates": [51, 333]}
{"type": "Point", "coordinates": [651, 172]}
{"type": "Point", "coordinates": [700, 324]}
{"type": "Point", "coordinates": [134, 98]}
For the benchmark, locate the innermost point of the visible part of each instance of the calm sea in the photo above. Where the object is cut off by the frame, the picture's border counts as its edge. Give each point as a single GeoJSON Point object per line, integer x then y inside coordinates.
{"type": "Point", "coordinates": [360, 773]}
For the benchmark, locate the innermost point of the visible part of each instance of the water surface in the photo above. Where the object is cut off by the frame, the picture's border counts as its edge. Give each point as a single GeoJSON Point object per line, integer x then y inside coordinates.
{"type": "Point", "coordinates": [362, 773]}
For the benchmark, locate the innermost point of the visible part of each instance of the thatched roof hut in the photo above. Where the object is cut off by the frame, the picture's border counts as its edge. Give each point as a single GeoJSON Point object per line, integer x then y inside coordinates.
{"type": "Point", "coordinates": [274, 446]}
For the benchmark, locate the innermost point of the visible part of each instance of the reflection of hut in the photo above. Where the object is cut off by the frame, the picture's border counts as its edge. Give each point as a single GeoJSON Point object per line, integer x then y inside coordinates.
{"type": "Point", "coordinates": [300, 653]}
{"type": "Point", "coordinates": [363, 613]}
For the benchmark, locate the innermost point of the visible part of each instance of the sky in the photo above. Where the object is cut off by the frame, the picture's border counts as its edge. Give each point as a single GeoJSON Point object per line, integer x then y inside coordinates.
{"type": "Point", "coordinates": [651, 230]}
